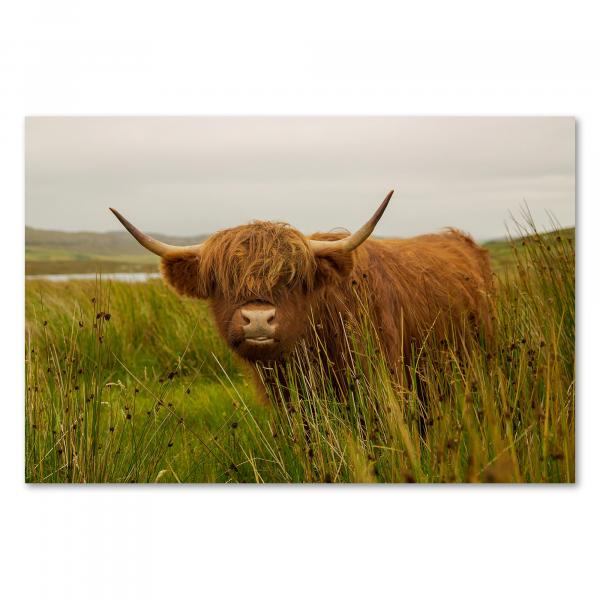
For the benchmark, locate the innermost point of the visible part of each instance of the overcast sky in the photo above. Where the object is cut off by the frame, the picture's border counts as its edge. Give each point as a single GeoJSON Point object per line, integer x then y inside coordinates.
{"type": "Point", "coordinates": [190, 175]}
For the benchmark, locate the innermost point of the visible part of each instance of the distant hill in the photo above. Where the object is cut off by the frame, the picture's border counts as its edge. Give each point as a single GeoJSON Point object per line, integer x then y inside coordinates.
{"type": "Point", "coordinates": [117, 252]}
{"type": "Point", "coordinates": [49, 252]}
{"type": "Point", "coordinates": [112, 243]}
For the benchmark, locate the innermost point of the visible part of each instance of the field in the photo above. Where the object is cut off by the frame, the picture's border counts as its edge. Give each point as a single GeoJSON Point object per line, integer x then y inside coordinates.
{"type": "Point", "coordinates": [130, 383]}
{"type": "Point", "coordinates": [49, 252]}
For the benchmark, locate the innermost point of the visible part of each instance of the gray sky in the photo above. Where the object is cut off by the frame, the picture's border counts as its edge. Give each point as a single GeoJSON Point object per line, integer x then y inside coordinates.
{"type": "Point", "coordinates": [193, 175]}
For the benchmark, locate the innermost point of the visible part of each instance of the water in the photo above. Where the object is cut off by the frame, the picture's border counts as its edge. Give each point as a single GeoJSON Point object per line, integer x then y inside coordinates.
{"type": "Point", "coordinates": [126, 277]}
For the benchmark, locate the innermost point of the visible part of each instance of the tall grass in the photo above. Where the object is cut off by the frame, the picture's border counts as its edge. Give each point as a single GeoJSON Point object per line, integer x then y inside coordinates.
{"type": "Point", "coordinates": [128, 382]}
{"type": "Point", "coordinates": [105, 363]}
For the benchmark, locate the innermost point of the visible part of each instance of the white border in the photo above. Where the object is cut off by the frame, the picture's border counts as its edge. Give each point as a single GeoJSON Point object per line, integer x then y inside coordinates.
{"type": "Point", "coordinates": [462, 57]}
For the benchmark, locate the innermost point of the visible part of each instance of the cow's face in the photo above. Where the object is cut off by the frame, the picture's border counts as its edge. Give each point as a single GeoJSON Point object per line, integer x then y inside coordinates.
{"type": "Point", "coordinates": [259, 330]}
{"type": "Point", "coordinates": [265, 280]}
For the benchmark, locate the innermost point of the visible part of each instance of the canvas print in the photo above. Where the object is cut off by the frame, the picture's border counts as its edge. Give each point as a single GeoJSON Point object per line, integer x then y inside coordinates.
{"type": "Point", "coordinates": [300, 300]}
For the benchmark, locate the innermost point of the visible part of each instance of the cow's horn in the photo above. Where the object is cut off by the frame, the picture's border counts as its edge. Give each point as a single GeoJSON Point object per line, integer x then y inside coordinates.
{"type": "Point", "coordinates": [151, 244]}
{"type": "Point", "coordinates": [357, 238]}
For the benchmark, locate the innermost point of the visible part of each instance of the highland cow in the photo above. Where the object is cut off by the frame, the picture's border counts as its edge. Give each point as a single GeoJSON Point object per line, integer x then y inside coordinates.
{"type": "Point", "coordinates": [270, 286]}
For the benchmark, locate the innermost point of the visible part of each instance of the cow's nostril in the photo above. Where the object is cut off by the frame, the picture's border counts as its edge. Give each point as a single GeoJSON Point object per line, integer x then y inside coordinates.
{"type": "Point", "coordinates": [246, 320]}
{"type": "Point", "coordinates": [270, 319]}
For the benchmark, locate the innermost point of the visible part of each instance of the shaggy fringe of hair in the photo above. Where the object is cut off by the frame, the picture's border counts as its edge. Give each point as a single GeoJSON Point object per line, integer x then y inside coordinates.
{"type": "Point", "coordinates": [258, 260]}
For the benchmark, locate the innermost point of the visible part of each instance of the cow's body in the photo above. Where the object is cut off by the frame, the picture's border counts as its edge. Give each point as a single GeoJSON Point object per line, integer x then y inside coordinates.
{"type": "Point", "coordinates": [427, 285]}
{"type": "Point", "coordinates": [270, 287]}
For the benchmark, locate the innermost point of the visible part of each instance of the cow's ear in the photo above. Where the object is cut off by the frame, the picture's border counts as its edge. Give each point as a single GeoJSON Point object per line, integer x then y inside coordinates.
{"type": "Point", "coordinates": [181, 270]}
{"type": "Point", "coordinates": [333, 266]}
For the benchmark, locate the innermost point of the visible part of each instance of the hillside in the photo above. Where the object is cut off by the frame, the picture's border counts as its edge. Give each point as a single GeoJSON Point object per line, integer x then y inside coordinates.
{"type": "Point", "coordinates": [111, 243]}
{"type": "Point", "coordinates": [48, 252]}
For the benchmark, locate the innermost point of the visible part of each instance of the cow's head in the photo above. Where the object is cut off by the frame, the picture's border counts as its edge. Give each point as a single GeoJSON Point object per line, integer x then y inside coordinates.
{"type": "Point", "coordinates": [262, 278]}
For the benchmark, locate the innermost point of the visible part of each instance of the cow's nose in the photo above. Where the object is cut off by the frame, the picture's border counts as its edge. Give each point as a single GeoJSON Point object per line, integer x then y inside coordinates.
{"type": "Point", "coordinates": [259, 323]}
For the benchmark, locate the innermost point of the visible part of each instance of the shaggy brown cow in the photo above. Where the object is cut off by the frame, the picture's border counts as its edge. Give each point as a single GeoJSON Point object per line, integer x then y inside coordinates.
{"type": "Point", "coordinates": [267, 283]}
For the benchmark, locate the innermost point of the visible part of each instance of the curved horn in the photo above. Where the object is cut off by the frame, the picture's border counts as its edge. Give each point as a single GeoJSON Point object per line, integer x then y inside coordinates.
{"type": "Point", "coordinates": [149, 243]}
{"type": "Point", "coordinates": [357, 238]}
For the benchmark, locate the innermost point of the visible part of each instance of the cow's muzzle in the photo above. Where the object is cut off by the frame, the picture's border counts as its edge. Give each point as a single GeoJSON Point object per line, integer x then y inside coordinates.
{"type": "Point", "coordinates": [259, 325]}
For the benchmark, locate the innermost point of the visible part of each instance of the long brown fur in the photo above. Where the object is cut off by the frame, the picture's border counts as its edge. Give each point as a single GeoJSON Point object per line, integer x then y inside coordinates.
{"type": "Point", "coordinates": [436, 285]}
{"type": "Point", "coordinates": [427, 285]}
{"type": "Point", "coordinates": [250, 261]}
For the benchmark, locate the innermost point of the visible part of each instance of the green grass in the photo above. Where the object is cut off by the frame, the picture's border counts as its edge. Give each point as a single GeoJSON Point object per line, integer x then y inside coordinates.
{"type": "Point", "coordinates": [129, 382]}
